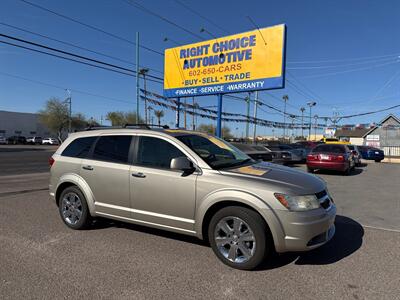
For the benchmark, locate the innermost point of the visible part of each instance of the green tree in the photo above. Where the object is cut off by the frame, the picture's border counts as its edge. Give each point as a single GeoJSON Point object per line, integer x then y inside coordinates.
{"type": "Point", "coordinates": [211, 129]}
{"type": "Point", "coordinates": [159, 114]}
{"type": "Point", "coordinates": [119, 118]}
{"type": "Point", "coordinates": [55, 116]}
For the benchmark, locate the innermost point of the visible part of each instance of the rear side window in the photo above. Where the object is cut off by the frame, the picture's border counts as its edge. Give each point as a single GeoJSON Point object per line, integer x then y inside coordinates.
{"type": "Point", "coordinates": [79, 147]}
{"type": "Point", "coordinates": [329, 149]}
{"type": "Point", "coordinates": [113, 148]}
{"type": "Point", "coordinates": [156, 153]}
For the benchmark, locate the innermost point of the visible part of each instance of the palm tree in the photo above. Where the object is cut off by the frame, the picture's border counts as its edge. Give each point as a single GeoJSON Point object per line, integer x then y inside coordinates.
{"type": "Point", "coordinates": [159, 114]}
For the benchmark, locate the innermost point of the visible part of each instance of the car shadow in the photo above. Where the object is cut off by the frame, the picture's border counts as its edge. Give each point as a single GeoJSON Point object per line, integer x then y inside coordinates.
{"type": "Point", "coordinates": [347, 240]}
{"type": "Point", "coordinates": [354, 172]}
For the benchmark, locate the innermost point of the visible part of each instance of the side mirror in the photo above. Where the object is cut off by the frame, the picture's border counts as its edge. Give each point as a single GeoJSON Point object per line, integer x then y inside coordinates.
{"type": "Point", "coordinates": [182, 164]}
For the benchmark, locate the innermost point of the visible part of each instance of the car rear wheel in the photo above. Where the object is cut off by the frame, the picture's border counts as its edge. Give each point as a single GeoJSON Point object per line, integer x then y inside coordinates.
{"type": "Point", "coordinates": [239, 237]}
{"type": "Point", "coordinates": [73, 208]}
{"type": "Point", "coordinates": [310, 170]}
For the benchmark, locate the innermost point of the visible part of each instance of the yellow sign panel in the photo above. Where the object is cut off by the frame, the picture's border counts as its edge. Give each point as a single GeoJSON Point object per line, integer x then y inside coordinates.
{"type": "Point", "coordinates": [247, 61]}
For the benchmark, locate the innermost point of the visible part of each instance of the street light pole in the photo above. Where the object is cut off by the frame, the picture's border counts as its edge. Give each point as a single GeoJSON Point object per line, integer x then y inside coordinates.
{"type": "Point", "coordinates": [255, 116]}
{"type": "Point", "coordinates": [315, 127]}
{"type": "Point", "coordinates": [285, 99]}
{"type": "Point", "coordinates": [69, 102]}
{"type": "Point", "coordinates": [137, 78]}
{"type": "Point", "coordinates": [310, 105]}
{"type": "Point", "coordinates": [143, 72]}
{"type": "Point", "coordinates": [302, 120]}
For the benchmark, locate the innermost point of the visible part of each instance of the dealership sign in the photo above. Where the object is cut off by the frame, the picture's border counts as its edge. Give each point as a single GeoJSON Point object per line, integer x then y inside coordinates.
{"type": "Point", "coordinates": [249, 61]}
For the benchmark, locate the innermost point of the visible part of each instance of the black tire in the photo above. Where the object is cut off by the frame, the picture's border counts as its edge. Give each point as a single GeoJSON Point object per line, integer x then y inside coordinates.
{"type": "Point", "coordinates": [347, 172]}
{"type": "Point", "coordinates": [261, 233]}
{"type": "Point", "coordinates": [85, 219]}
{"type": "Point", "coordinates": [310, 170]}
{"type": "Point", "coordinates": [377, 160]}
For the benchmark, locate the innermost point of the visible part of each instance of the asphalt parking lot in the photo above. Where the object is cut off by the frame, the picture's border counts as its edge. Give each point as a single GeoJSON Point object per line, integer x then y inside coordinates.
{"type": "Point", "coordinates": [41, 258]}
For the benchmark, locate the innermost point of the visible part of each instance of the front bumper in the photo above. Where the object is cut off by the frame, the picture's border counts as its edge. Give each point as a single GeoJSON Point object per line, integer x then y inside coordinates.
{"type": "Point", "coordinates": [307, 230]}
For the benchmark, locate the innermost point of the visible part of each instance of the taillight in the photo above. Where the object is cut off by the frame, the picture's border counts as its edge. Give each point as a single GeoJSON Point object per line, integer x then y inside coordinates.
{"type": "Point", "coordinates": [312, 157]}
{"type": "Point", "coordinates": [51, 161]}
{"type": "Point", "coordinates": [340, 158]}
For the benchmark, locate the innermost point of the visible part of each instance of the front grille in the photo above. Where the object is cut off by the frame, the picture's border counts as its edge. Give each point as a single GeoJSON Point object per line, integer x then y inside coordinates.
{"type": "Point", "coordinates": [321, 194]}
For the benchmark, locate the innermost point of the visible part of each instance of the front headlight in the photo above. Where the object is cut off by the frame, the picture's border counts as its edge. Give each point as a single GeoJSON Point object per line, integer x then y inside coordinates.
{"type": "Point", "coordinates": [298, 203]}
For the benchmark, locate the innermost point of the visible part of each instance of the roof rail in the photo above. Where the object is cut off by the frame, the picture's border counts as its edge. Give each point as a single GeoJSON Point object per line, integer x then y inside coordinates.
{"type": "Point", "coordinates": [140, 126]}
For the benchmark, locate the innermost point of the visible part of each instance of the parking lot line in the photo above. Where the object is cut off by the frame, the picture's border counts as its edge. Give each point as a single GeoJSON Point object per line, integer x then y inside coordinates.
{"type": "Point", "coordinates": [380, 228]}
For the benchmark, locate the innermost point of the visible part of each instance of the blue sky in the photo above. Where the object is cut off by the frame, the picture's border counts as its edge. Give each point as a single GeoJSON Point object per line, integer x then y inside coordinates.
{"type": "Point", "coordinates": [342, 54]}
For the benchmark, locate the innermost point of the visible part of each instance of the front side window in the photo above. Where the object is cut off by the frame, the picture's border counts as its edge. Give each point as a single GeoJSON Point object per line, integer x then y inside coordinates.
{"type": "Point", "coordinates": [156, 153]}
{"type": "Point", "coordinates": [79, 147]}
{"type": "Point", "coordinates": [217, 153]}
{"type": "Point", "coordinates": [113, 148]}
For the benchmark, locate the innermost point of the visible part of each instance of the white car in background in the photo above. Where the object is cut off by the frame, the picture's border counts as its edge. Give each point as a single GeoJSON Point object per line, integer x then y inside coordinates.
{"type": "Point", "coordinates": [3, 140]}
{"type": "Point", "coordinates": [50, 141]}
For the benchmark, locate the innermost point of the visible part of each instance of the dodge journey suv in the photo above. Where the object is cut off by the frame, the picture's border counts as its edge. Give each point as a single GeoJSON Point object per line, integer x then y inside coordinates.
{"type": "Point", "coordinates": [191, 183]}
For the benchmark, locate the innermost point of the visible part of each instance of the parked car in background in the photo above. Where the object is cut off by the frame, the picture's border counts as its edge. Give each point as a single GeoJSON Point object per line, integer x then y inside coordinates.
{"type": "Point", "coordinates": [50, 141]}
{"type": "Point", "coordinates": [371, 153]}
{"type": "Point", "coordinates": [331, 157]}
{"type": "Point", "coordinates": [16, 139]}
{"type": "Point", "coordinates": [334, 141]}
{"type": "Point", "coordinates": [302, 150]}
{"type": "Point", "coordinates": [254, 151]}
{"type": "Point", "coordinates": [288, 153]}
{"type": "Point", "coordinates": [35, 140]}
{"type": "Point", "coordinates": [356, 153]}
{"type": "Point", "coordinates": [3, 140]}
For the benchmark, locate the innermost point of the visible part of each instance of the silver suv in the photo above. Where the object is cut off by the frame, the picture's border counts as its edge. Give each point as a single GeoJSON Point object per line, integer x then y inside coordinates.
{"type": "Point", "coordinates": [191, 183]}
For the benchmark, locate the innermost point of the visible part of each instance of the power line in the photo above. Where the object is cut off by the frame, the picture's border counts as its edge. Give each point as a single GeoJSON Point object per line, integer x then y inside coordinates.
{"type": "Point", "coordinates": [71, 59]}
{"type": "Point", "coordinates": [343, 60]}
{"type": "Point", "coordinates": [341, 66]}
{"type": "Point", "coordinates": [75, 46]}
{"type": "Point", "coordinates": [89, 26]}
{"type": "Point", "coordinates": [74, 55]}
{"type": "Point", "coordinates": [348, 71]}
{"type": "Point", "coordinates": [149, 11]}
{"type": "Point", "coordinates": [63, 88]}
{"type": "Point", "coordinates": [201, 16]}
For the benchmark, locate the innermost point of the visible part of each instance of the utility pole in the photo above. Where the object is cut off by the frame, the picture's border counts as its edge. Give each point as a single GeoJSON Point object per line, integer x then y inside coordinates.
{"type": "Point", "coordinates": [255, 116]}
{"type": "Point", "coordinates": [247, 114]}
{"type": "Point", "coordinates": [292, 135]}
{"type": "Point", "coordinates": [285, 99]}
{"type": "Point", "coordinates": [69, 102]}
{"type": "Point", "coordinates": [143, 72]}
{"type": "Point", "coordinates": [310, 105]}
{"type": "Point", "coordinates": [302, 120]}
{"type": "Point", "coordinates": [315, 127]}
{"type": "Point", "coordinates": [137, 78]}
{"type": "Point", "coordinates": [193, 115]}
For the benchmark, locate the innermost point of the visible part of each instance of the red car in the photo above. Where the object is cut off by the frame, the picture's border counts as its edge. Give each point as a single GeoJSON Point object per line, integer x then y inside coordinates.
{"type": "Point", "coordinates": [331, 157]}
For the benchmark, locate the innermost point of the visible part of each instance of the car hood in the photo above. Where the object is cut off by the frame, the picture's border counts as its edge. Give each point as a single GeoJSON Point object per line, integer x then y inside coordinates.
{"type": "Point", "coordinates": [279, 178]}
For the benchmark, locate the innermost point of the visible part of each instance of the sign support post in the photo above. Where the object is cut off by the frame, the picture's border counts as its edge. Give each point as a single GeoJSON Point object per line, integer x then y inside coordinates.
{"type": "Point", "coordinates": [178, 109]}
{"type": "Point", "coordinates": [219, 116]}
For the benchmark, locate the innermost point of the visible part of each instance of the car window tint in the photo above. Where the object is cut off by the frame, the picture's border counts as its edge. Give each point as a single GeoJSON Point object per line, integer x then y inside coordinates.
{"type": "Point", "coordinates": [79, 147]}
{"type": "Point", "coordinates": [156, 153]}
{"type": "Point", "coordinates": [329, 149]}
{"type": "Point", "coordinates": [112, 148]}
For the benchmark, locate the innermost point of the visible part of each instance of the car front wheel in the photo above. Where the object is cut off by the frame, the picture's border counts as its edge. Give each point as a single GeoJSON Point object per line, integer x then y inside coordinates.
{"type": "Point", "coordinates": [239, 237]}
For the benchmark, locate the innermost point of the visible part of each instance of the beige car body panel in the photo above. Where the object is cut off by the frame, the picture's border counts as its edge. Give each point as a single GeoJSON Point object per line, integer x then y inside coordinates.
{"type": "Point", "coordinates": [167, 200]}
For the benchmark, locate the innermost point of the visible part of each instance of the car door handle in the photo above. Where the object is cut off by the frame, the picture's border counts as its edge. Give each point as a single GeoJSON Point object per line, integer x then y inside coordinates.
{"type": "Point", "coordinates": [89, 168]}
{"type": "Point", "coordinates": [138, 174]}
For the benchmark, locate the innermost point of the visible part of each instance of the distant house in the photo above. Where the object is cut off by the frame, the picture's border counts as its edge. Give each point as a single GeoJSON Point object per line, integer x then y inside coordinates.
{"type": "Point", "coordinates": [354, 136]}
{"type": "Point", "coordinates": [386, 136]}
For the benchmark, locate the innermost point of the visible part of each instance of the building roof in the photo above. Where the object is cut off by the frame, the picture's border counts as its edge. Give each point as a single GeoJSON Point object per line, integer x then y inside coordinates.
{"type": "Point", "coordinates": [359, 132]}
{"type": "Point", "coordinates": [390, 116]}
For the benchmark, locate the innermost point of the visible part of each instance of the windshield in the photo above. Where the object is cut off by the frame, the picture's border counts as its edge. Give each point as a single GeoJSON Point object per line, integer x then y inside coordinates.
{"type": "Point", "coordinates": [215, 152]}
